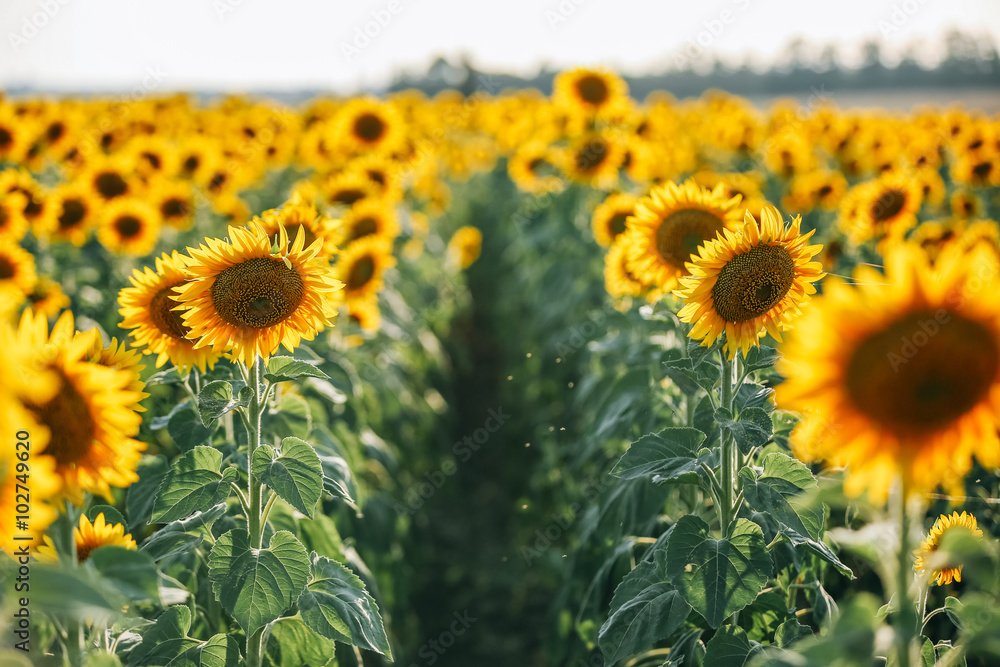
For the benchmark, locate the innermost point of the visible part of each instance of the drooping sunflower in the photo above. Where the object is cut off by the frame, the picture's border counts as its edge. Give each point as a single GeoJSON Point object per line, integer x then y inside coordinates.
{"type": "Point", "coordinates": [465, 246]}
{"type": "Point", "coordinates": [361, 265]}
{"type": "Point", "coordinates": [247, 297]}
{"type": "Point", "coordinates": [932, 542]}
{"type": "Point", "coordinates": [900, 376]}
{"type": "Point", "coordinates": [17, 267]}
{"type": "Point", "coordinates": [71, 214]}
{"type": "Point", "coordinates": [149, 309]}
{"type": "Point", "coordinates": [749, 281]}
{"type": "Point", "coordinates": [609, 217]}
{"type": "Point", "coordinates": [669, 225]}
{"type": "Point", "coordinates": [370, 217]}
{"type": "Point", "coordinates": [89, 536]}
{"type": "Point", "coordinates": [82, 408]}
{"type": "Point", "coordinates": [589, 91]}
{"type": "Point", "coordinates": [129, 226]}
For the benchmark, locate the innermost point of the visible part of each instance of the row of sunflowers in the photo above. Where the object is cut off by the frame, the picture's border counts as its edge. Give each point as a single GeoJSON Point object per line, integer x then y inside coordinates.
{"type": "Point", "coordinates": [202, 496]}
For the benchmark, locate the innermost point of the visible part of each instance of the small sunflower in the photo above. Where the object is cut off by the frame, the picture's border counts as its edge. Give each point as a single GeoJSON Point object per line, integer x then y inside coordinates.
{"type": "Point", "coordinates": [347, 188]}
{"type": "Point", "coordinates": [370, 217]}
{"type": "Point", "coordinates": [932, 542]}
{"type": "Point", "coordinates": [618, 280]}
{"type": "Point", "coordinates": [589, 91]}
{"type": "Point", "coordinates": [670, 224]}
{"type": "Point", "coordinates": [465, 246]}
{"type": "Point", "coordinates": [35, 197]}
{"type": "Point", "coordinates": [899, 376]}
{"type": "Point", "coordinates": [90, 536]}
{"type": "Point", "coordinates": [17, 267]}
{"type": "Point", "coordinates": [175, 202]}
{"type": "Point", "coordinates": [110, 178]}
{"type": "Point", "coordinates": [47, 298]}
{"type": "Point", "coordinates": [247, 297]}
{"type": "Point", "coordinates": [13, 224]}
{"type": "Point", "coordinates": [149, 309]}
{"type": "Point", "coordinates": [361, 265]}
{"type": "Point", "coordinates": [593, 159]}
{"type": "Point", "coordinates": [70, 216]}
{"type": "Point", "coordinates": [533, 168]}
{"type": "Point", "coordinates": [85, 424]}
{"type": "Point", "coordinates": [609, 217]}
{"type": "Point", "coordinates": [366, 313]}
{"type": "Point", "coordinates": [749, 281]}
{"type": "Point", "coordinates": [129, 226]}
{"type": "Point", "coordinates": [368, 125]}
{"type": "Point", "coordinates": [297, 213]}
{"type": "Point", "coordinates": [880, 209]}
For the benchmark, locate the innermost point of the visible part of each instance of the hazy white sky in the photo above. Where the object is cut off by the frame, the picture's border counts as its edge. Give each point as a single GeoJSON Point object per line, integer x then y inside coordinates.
{"type": "Point", "coordinates": [290, 44]}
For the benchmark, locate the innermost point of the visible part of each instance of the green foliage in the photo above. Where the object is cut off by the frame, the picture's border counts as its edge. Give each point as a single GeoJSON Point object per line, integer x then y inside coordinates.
{"type": "Point", "coordinates": [193, 483]}
{"type": "Point", "coordinates": [294, 472]}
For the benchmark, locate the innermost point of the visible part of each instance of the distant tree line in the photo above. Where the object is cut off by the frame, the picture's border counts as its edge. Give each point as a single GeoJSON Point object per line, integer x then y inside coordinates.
{"type": "Point", "coordinates": [968, 62]}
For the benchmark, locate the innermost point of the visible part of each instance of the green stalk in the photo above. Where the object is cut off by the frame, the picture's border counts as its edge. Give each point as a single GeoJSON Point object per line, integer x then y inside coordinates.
{"type": "Point", "coordinates": [254, 524]}
{"type": "Point", "coordinates": [728, 457]}
{"type": "Point", "coordinates": [907, 611]}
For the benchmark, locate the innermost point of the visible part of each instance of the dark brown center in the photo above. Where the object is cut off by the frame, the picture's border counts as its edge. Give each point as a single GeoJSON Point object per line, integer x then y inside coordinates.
{"type": "Point", "coordinates": [751, 283]}
{"type": "Point", "coordinates": [257, 293]}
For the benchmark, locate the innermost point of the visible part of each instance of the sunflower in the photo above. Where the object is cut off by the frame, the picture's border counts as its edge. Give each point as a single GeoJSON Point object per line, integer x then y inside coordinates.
{"type": "Point", "coordinates": [85, 424]}
{"type": "Point", "coordinates": [533, 168]}
{"type": "Point", "coordinates": [175, 202]}
{"type": "Point", "coordinates": [129, 226]}
{"type": "Point", "coordinates": [47, 298]}
{"type": "Point", "coordinates": [71, 214]}
{"type": "Point", "coordinates": [815, 189]}
{"type": "Point", "coordinates": [149, 309]}
{"type": "Point", "coordinates": [886, 207]}
{"type": "Point", "coordinates": [932, 236]}
{"type": "Point", "coordinates": [385, 173]}
{"type": "Point", "coordinates": [669, 225]}
{"type": "Point", "coordinates": [110, 178]}
{"type": "Point", "coordinates": [370, 217]}
{"type": "Point", "coordinates": [965, 205]}
{"type": "Point", "coordinates": [901, 375]}
{"type": "Point", "coordinates": [593, 159]}
{"type": "Point", "coordinates": [361, 265]}
{"type": "Point", "coordinates": [14, 136]}
{"type": "Point", "coordinates": [589, 91]}
{"type": "Point", "coordinates": [196, 158]}
{"type": "Point", "coordinates": [248, 297]}
{"type": "Point", "coordinates": [347, 188]}
{"type": "Point", "coordinates": [152, 155]}
{"type": "Point", "coordinates": [297, 213]}
{"type": "Point", "coordinates": [465, 246]}
{"type": "Point", "coordinates": [35, 199]}
{"type": "Point", "coordinates": [90, 536]}
{"type": "Point", "coordinates": [748, 281]}
{"type": "Point", "coordinates": [932, 542]}
{"type": "Point", "coordinates": [17, 267]}
{"type": "Point", "coordinates": [13, 224]}
{"type": "Point", "coordinates": [618, 280]}
{"type": "Point", "coordinates": [368, 125]}
{"type": "Point", "coordinates": [609, 217]}
{"type": "Point", "coordinates": [366, 313]}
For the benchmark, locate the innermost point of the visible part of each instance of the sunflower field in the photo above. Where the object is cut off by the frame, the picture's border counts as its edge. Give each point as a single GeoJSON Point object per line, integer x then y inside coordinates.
{"type": "Point", "coordinates": [498, 378]}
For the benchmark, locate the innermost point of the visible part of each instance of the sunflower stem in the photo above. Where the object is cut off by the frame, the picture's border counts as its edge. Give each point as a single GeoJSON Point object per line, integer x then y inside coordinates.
{"type": "Point", "coordinates": [254, 524]}
{"type": "Point", "coordinates": [907, 621]}
{"type": "Point", "coordinates": [728, 457]}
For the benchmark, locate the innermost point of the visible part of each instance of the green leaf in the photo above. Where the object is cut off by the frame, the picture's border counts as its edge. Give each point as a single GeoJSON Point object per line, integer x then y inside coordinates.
{"type": "Point", "coordinates": [141, 495]}
{"type": "Point", "coordinates": [301, 646]}
{"type": "Point", "coordinates": [762, 618]}
{"type": "Point", "coordinates": [219, 651]}
{"type": "Point", "coordinates": [77, 592]}
{"type": "Point", "coordinates": [165, 639]}
{"type": "Point", "coordinates": [291, 417]}
{"type": "Point", "coordinates": [927, 655]}
{"type": "Point", "coordinates": [760, 357]}
{"type": "Point", "coordinates": [791, 631]}
{"type": "Point", "coordinates": [176, 537]}
{"type": "Point", "coordinates": [752, 429]}
{"type": "Point", "coordinates": [646, 609]}
{"type": "Point", "coordinates": [336, 605]}
{"type": "Point", "coordinates": [193, 484]}
{"type": "Point", "coordinates": [295, 474]}
{"type": "Point", "coordinates": [730, 647]}
{"type": "Point", "coordinates": [111, 514]}
{"type": "Point", "coordinates": [187, 430]}
{"type": "Point", "coordinates": [717, 576]}
{"type": "Point", "coordinates": [688, 374]}
{"type": "Point", "coordinates": [257, 585]}
{"type": "Point", "coordinates": [169, 376]}
{"type": "Point", "coordinates": [669, 454]}
{"type": "Point", "coordinates": [216, 399]}
{"type": "Point", "coordinates": [776, 492]}
{"type": "Point", "coordinates": [953, 608]}
{"type": "Point", "coordinates": [280, 369]}
{"type": "Point", "coordinates": [131, 572]}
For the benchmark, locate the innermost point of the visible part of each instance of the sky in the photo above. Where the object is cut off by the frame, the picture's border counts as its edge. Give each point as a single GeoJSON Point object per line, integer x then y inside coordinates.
{"type": "Point", "coordinates": [348, 45]}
